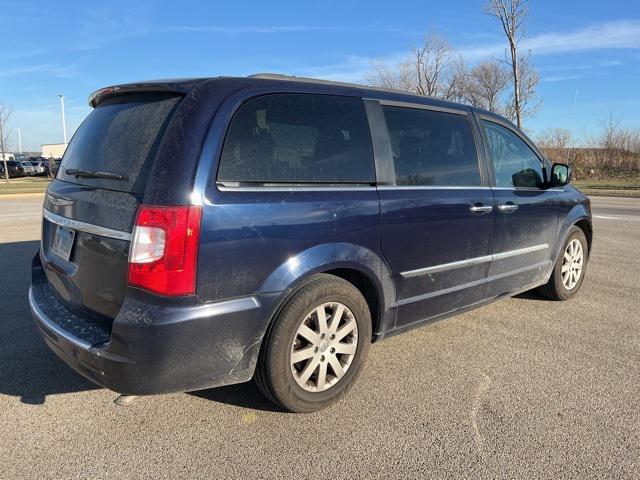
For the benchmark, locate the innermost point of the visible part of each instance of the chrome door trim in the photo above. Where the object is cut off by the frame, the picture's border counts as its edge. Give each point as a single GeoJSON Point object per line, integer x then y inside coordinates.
{"type": "Point", "coordinates": [507, 207]}
{"type": "Point", "coordinates": [85, 227]}
{"type": "Point", "coordinates": [473, 261]}
{"type": "Point", "coordinates": [432, 187]}
{"type": "Point", "coordinates": [481, 209]}
{"type": "Point", "coordinates": [287, 188]}
{"type": "Point", "coordinates": [475, 283]}
{"type": "Point", "coordinates": [520, 251]}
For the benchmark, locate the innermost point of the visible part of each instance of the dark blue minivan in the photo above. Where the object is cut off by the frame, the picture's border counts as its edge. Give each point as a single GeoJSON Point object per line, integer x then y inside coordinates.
{"type": "Point", "coordinates": [205, 232]}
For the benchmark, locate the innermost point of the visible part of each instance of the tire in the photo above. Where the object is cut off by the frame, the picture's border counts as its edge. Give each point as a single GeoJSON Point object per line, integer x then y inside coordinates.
{"type": "Point", "coordinates": [283, 382]}
{"type": "Point", "coordinates": [556, 288]}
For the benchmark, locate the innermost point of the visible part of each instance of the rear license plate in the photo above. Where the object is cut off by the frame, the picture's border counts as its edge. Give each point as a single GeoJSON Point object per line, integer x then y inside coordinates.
{"type": "Point", "coordinates": [63, 242]}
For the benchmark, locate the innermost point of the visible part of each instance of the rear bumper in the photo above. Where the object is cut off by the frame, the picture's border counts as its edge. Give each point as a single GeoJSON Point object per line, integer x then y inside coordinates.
{"type": "Point", "coordinates": [153, 348]}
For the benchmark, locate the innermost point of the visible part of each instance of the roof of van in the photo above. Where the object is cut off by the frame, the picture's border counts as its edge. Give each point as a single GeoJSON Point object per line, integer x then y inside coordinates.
{"type": "Point", "coordinates": [185, 85]}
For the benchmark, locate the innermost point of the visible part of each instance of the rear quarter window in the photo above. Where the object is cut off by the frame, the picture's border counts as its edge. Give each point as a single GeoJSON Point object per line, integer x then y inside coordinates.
{"type": "Point", "coordinates": [120, 136]}
{"type": "Point", "coordinates": [298, 138]}
{"type": "Point", "coordinates": [431, 147]}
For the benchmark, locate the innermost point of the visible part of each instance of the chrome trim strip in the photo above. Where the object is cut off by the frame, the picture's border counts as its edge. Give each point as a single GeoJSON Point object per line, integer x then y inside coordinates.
{"type": "Point", "coordinates": [528, 189]}
{"type": "Point", "coordinates": [85, 227]}
{"type": "Point", "coordinates": [432, 187]}
{"type": "Point", "coordinates": [446, 266]}
{"type": "Point", "coordinates": [53, 327]}
{"type": "Point", "coordinates": [474, 283]}
{"type": "Point", "coordinates": [223, 188]}
{"type": "Point", "coordinates": [520, 251]}
{"type": "Point", "coordinates": [473, 261]}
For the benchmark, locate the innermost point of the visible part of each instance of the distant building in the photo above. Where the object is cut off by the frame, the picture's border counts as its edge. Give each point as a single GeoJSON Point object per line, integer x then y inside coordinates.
{"type": "Point", "coordinates": [53, 150]}
{"type": "Point", "coordinates": [7, 156]}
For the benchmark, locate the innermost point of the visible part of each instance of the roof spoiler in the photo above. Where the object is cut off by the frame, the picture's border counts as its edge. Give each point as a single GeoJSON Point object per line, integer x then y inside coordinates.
{"type": "Point", "coordinates": [180, 87]}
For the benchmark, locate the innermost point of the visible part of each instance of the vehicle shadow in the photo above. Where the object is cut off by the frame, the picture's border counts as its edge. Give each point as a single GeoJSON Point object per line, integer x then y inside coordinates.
{"type": "Point", "coordinates": [28, 369]}
{"type": "Point", "coordinates": [246, 395]}
{"type": "Point", "coordinates": [531, 295]}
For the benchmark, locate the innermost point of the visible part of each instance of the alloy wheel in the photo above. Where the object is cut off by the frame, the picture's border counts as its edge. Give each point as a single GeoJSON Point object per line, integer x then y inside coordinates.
{"type": "Point", "coordinates": [324, 346]}
{"type": "Point", "coordinates": [572, 264]}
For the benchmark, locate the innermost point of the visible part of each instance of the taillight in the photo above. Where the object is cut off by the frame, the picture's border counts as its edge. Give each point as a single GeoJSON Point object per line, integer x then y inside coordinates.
{"type": "Point", "coordinates": [164, 249]}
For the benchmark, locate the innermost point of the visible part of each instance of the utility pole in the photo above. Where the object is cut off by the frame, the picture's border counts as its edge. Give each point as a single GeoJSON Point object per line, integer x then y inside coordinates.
{"type": "Point", "coordinates": [573, 114]}
{"type": "Point", "coordinates": [19, 140]}
{"type": "Point", "coordinates": [2, 152]}
{"type": "Point", "coordinates": [64, 124]}
{"type": "Point", "coordinates": [5, 114]}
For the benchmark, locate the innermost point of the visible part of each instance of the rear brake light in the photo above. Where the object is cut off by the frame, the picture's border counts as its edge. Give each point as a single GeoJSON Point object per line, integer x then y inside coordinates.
{"type": "Point", "coordinates": [164, 249]}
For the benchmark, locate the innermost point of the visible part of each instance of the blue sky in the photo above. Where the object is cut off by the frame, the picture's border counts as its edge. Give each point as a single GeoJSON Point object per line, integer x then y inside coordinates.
{"type": "Point", "coordinates": [75, 47]}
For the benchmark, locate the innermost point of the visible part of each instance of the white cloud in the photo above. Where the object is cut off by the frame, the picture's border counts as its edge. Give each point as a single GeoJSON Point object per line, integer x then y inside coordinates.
{"type": "Point", "coordinates": [268, 29]}
{"type": "Point", "coordinates": [242, 29]}
{"type": "Point", "coordinates": [55, 69]}
{"type": "Point", "coordinates": [623, 34]}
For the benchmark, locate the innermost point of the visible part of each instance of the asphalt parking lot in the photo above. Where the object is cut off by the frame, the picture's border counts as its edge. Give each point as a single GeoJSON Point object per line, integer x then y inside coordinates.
{"type": "Point", "coordinates": [522, 388]}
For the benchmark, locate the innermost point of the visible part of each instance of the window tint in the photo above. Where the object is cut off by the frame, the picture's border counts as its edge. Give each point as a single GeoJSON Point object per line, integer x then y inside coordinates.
{"type": "Point", "coordinates": [514, 163]}
{"type": "Point", "coordinates": [431, 147]}
{"type": "Point", "coordinates": [120, 136]}
{"type": "Point", "coordinates": [296, 138]}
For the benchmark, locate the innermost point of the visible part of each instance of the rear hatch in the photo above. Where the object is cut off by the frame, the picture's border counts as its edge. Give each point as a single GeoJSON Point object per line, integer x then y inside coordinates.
{"type": "Point", "coordinates": [89, 210]}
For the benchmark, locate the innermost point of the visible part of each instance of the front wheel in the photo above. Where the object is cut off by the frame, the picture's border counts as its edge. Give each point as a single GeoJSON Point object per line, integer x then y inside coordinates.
{"type": "Point", "coordinates": [570, 268]}
{"type": "Point", "coordinates": [316, 347]}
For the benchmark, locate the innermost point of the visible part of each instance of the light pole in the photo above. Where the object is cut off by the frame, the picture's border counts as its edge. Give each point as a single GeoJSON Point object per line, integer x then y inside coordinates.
{"type": "Point", "coordinates": [64, 124]}
{"type": "Point", "coordinates": [19, 140]}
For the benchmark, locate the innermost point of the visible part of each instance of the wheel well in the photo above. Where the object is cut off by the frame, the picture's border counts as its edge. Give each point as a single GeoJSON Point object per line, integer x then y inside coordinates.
{"type": "Point", "coordinates": [585, 226]}
{"type": "Point", "coordinates": [366, 287]}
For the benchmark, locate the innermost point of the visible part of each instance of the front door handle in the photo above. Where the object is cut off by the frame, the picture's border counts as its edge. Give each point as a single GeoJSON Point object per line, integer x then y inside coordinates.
{"type": "Point", "coordinates": [508, 207]}
{"type": "Point", "coordinates": [479, 208]}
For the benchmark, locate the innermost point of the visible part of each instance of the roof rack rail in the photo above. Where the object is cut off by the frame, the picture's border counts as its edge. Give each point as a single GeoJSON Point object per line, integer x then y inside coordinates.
{"type": "Point", "coordinates": [293, 78]}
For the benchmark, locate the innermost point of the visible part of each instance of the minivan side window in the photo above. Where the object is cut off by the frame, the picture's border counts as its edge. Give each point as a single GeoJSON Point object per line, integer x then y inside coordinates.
{"type": "Point", "coordinates": [514, 163]}
{"type": "Point", "coordinates": [432, 147]}
{"type": "Point", "coordinates": [298, 138]}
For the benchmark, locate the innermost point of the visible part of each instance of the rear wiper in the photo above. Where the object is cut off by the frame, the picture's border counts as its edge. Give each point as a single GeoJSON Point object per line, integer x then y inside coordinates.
{"type": "Point", "coordinates": [91, 174]}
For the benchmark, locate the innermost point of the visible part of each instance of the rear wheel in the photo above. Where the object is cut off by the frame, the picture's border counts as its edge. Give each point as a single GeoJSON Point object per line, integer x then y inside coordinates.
{"type": "Point", "coordinates": [316, 347]}
{"type": "Point", "coordinates": [570, 268]}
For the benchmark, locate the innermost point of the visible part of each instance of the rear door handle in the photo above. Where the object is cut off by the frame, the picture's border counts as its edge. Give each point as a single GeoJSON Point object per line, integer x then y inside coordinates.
{"type": "Point", "coordinates": [508, 207]}
{"type": "Point", "coordinates": [478, 208]}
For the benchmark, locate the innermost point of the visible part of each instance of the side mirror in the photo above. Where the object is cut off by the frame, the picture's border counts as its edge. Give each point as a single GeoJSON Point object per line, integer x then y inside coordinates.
{"type": "Point", "coordinates": [560, 175]}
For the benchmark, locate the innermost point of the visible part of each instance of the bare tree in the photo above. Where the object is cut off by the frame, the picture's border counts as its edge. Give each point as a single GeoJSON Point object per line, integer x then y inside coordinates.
{"type": "Point", "coordinates": [529, 78]}
{"type": "Point", "coordinates": [512, 15]}
{"type": "Point", "coordinates": [431, 62]}
{"type": "Point", "coordinates": [5, 114]}
{"type": "Point", "coordinates": [456, 81]}
{"type": "Point", "coordinates": [556, 138]}
{"type": "Point", "coordinates": [399, 77]}
{"type": "Point", "coordinates": [486, 85]}
{"type": "Point", "coordinates": [620, 146]}
{"type": "Point", "coordinates": [429, 70]}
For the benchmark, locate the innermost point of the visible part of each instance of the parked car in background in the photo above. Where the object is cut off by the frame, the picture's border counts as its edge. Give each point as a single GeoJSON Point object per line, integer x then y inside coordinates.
{"type": "Point", "coordinates": [38, 167]}
{"type": "Point", "coordinates": [28, 168]}
{"type": "Point", "coordinates": [16, 169]}
{"type": "Point", "coordinates": [304, 221]}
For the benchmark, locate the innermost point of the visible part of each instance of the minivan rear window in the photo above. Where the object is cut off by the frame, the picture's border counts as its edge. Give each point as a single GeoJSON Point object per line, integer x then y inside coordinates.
{"type": "Point", "coordinates": [298, 138]}
{"type": "Point", "coordinates": [119, 137]}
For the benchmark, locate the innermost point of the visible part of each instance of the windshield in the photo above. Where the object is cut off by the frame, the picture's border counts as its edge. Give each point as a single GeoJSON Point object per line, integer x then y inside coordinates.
{"type": "Point", "coordinates": [119, 137]}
